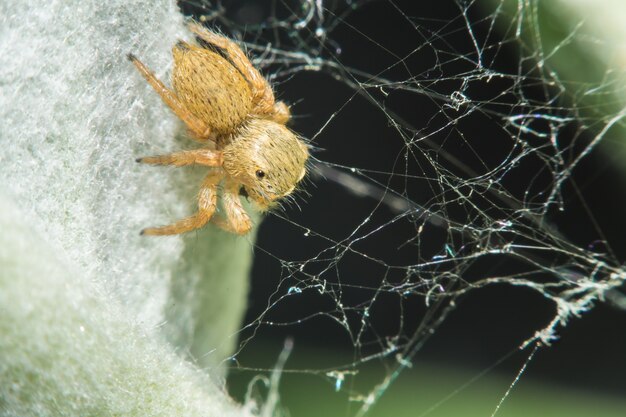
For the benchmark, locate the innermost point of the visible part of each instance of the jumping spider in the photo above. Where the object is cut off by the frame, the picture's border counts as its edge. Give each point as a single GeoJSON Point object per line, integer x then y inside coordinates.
{"type": "Point", "coordinates": [227, 105]}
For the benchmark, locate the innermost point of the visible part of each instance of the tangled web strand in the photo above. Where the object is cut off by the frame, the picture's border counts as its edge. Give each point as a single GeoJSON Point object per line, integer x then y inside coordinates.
{"type": "Point", "coordinates": [470, 187]}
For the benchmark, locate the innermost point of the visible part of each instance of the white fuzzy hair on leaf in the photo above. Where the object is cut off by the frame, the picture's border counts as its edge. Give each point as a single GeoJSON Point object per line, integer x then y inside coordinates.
{"type": "Point", "coordinates": [94, 318]}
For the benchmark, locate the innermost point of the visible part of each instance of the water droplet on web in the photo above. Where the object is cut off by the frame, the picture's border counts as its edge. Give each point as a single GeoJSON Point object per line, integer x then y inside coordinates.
{"type": "Point", "coordinates": [338, 377]}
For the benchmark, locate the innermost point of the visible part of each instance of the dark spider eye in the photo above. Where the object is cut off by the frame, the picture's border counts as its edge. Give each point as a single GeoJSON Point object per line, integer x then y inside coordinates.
{"type": "Point", "coordinates": [260, 174]}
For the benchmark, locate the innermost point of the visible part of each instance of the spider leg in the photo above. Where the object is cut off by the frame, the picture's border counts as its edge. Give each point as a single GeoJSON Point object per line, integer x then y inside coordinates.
{"type": "Point", "coordinates": [281, 113]}
{"type": "Point", "coordinates": [204, 157]}
{"type": "Point", "coordinates": [236, 218]}
{"type": "Point", "coordinates": [207, 202]}
{"type": "Point", "coordinates": [263, 96]}
{"type": "Point", "coordinates": [197, 128]}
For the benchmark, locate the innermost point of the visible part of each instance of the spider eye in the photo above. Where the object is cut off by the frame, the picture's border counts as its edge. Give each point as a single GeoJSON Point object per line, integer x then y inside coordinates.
{"type": "Point", "coordinates": [260, 174]}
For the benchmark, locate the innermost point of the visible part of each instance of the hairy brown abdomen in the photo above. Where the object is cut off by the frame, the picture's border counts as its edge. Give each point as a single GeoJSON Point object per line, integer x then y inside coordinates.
{"type": "Point", "coordinates": [211, 88]}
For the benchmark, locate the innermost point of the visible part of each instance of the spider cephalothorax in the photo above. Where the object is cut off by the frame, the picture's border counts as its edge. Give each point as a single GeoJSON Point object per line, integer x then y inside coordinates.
{"type": "Point", "coordinates": [228, 105]}
{"type": "Point", "coordinates": [267, 159]}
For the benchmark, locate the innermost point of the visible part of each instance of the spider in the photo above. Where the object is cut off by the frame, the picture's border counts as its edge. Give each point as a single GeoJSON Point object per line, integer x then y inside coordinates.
{"type": "Point", "coordinates": [228, 106]}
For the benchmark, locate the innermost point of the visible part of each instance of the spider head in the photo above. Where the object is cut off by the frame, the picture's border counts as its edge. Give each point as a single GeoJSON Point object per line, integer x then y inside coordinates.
{"type": "Point", "coordinates": [267, 159]}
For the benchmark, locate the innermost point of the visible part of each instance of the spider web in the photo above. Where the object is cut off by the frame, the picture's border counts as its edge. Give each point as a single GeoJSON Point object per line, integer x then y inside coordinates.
{"type": "Point", "coordinates": [447, 161]}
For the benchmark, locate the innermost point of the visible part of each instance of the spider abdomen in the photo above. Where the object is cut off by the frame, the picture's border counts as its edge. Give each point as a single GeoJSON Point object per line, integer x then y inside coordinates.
{"type": "Point", "coordinates": [211, 88]}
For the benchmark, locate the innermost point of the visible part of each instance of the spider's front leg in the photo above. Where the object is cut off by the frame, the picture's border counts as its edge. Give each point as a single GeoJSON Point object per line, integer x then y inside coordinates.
{"type": "Point", "coordinates": [197, 128]}
{"type": "Point", "coordinates": [204, 157]}
{"type": "Point", "coordinates": [236, 218]}
{"type": "Point", "coordinates": [207, 202]}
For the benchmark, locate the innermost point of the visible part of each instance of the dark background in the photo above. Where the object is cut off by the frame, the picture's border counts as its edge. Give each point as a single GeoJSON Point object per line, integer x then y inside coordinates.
{"type": "Point", "coordinates": [487, 325]}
